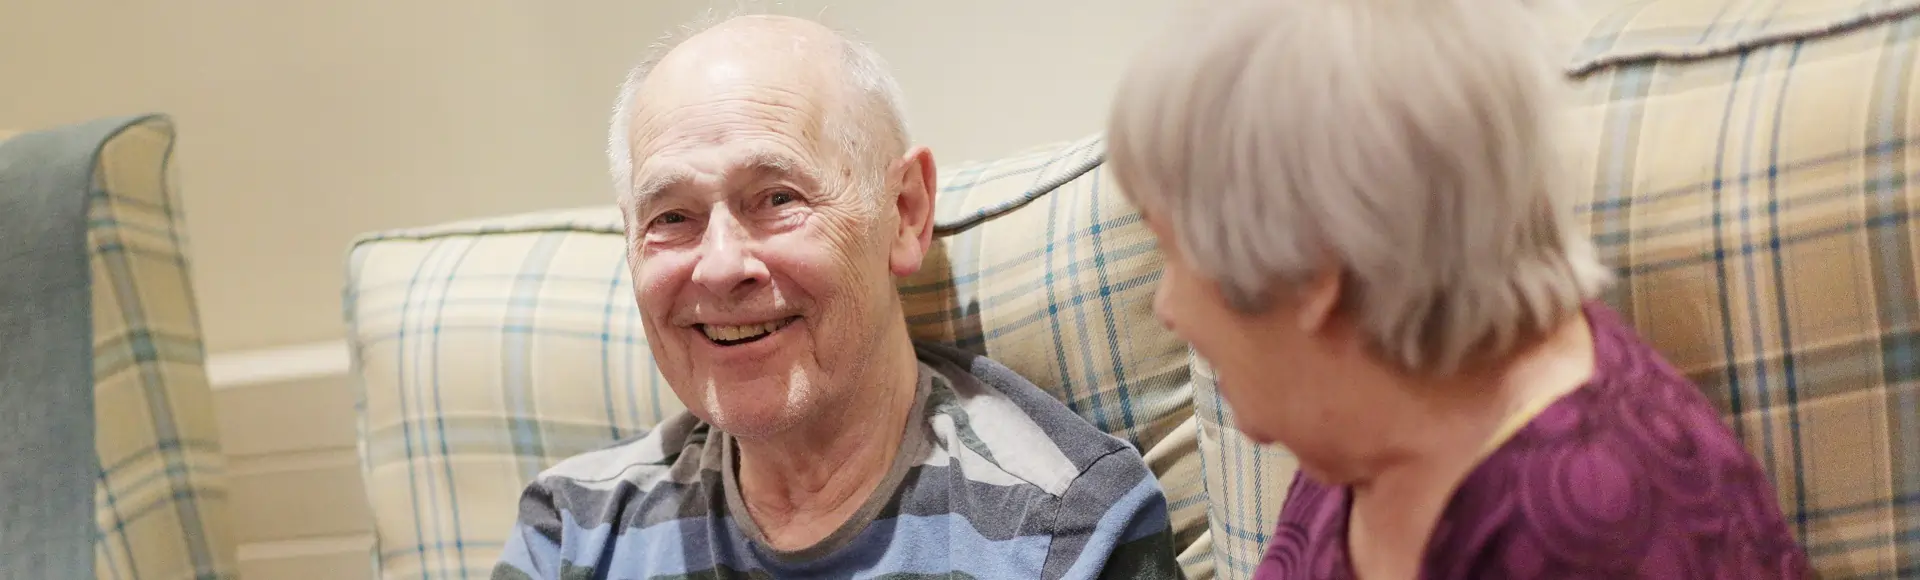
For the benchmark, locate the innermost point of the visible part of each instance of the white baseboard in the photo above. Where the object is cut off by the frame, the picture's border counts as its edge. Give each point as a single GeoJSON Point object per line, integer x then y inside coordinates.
{"type": "Point", "coordinates": [236, 369]}
{"type": "Point", "coordinates": [320, 558]}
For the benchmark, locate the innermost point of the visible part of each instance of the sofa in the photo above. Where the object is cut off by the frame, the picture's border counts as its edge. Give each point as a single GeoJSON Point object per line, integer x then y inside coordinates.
{"type": "Point", "coordinates": [110, 463]}
{"type": "Point", "coordinates": [1745, 168]}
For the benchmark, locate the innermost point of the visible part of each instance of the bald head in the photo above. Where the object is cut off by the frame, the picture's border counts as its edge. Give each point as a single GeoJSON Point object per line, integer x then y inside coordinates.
{"type": "Point", "coordinates": [770, 203]}
{"type": "Point", "coordinates": [832, 91]}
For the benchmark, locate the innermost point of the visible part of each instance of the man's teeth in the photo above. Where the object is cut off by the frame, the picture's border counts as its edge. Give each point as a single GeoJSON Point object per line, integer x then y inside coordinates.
{"type": "Point", "coordinates": [718, 332]}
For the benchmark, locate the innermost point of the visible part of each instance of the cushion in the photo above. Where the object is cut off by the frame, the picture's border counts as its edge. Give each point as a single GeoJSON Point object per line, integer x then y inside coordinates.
{"type": "Point", "coordinates": [1757, 203]}
{"type": "Point", "coordinates": [47, 461]}
{"type": "Point", "coordinates": [485, 353]}
{"type": "Point", "coordinates": [1746, 170]}
{"type": "Point", "coordinates": [488, 350]}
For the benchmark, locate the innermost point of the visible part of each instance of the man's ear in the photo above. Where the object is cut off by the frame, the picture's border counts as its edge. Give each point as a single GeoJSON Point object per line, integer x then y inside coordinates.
{"type": "Point", "coordinates": [916, 187]}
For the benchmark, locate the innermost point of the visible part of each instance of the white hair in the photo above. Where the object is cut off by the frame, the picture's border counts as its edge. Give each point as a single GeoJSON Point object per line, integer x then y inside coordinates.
{"type": "Point", "coordinates": [1407, 143]}
{"type": "Point", "coordinates": [872, 130]}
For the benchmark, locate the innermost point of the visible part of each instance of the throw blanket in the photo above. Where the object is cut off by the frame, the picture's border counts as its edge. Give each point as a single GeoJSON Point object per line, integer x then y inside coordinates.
{"type": "Point", "coordinates": [47, 461]}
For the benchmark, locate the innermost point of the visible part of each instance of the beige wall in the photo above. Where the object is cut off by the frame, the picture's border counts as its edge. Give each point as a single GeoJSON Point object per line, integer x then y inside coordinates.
{"type": "Point", "coordinates": [305, 123]}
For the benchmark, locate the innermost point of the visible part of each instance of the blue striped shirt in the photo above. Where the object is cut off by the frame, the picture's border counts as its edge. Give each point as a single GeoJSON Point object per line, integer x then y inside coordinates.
{"type": "Point", "coordinates": [995, 479]}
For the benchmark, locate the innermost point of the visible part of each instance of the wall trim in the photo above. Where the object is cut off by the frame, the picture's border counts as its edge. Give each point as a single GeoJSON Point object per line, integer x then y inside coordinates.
{"type": "Point", "coordinates": [277, 365]}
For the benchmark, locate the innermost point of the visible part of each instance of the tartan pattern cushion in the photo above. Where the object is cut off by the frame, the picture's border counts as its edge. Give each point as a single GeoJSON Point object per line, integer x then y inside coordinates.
{"type": "Point", "coordinates": [161, 501]}
{"type": "Point", "coordinates": [489, 350]}
{"type": "Point", "coordinates": [1748, 169]}
{"type": "Point", "coordinates": [1759, 207]}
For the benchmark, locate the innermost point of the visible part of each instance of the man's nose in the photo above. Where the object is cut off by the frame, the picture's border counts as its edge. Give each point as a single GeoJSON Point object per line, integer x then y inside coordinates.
{"type": "Point", "coordinates": [727, 264]}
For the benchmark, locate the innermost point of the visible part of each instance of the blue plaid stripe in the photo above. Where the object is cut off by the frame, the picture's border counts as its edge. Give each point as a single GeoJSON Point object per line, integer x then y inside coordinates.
{"type": "Point", "coordinates": [425, 521]}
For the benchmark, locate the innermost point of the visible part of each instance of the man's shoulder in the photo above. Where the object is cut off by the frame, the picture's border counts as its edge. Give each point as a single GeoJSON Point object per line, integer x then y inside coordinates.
{"type": "Point", "coordinates": [589, 504]}
{"type": "Point", "coordinates": [670, 453]}
{"type": "Point", "coordinates": [997, 427]}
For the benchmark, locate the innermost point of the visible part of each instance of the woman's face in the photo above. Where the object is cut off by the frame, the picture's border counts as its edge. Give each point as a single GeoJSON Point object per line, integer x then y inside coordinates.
{"type": "Point", "coordinates": [1270, 367]}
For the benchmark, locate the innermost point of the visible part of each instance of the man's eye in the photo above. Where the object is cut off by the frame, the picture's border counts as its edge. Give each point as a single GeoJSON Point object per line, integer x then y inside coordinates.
{"type": "Point", "coordinates": [781, 198]}
{"type": "Point", "coordinates": [669, 219]}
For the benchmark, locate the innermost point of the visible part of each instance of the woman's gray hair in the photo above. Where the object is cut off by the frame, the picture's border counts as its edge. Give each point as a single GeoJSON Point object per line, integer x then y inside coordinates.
{"type": "Point", "coordinates": [872, 130]}
{"type": "Point", "coordinates": [1408, 143]}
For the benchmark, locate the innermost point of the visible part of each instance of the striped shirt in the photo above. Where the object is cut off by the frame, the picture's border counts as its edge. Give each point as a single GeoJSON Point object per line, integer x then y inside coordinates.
{"type": "Point", "coordinates": [995, 479]}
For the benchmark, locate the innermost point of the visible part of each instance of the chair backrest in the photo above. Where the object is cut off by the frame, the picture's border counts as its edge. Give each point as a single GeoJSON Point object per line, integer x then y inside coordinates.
{"type": "Point", "coordinates": [137, 407]}
{"type": "Point", "coordinates": [1746, 167]}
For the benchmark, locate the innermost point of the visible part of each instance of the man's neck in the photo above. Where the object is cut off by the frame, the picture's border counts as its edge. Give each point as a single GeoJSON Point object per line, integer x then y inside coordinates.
{"type": "Point", "coordinates": [801, 485]}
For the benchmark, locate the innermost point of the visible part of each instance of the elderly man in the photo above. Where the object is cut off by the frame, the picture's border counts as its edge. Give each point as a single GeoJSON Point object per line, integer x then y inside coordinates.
{"type": "Point", "coordinates": [770, 198]}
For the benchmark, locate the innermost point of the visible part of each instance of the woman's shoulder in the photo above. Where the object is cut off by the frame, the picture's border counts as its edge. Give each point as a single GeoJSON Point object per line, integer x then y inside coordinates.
{"type": "Point", "coordinates": [1636, 492]}
{"type": "Point", "coordinates": [1635, 472]}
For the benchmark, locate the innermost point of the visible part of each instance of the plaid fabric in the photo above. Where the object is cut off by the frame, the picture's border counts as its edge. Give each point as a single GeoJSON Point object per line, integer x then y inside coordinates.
{"type": "Point", "coordinates": [486, 353]}
{"type": "Point", "coordinates": [490, 350]}
{"type": "Point", "coordinates": [161, 501]}
{"type": "Point", "coordinates": [1748, 170]}
{"type": "Point", "coordinates": [1246, 482]}
{"type": "Point", "coordinates": [1758, 205]}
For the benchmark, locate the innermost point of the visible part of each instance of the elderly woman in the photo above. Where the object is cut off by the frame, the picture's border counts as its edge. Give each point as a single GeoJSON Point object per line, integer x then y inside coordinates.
{"type": "Point", "coordinates": [1366, 234]}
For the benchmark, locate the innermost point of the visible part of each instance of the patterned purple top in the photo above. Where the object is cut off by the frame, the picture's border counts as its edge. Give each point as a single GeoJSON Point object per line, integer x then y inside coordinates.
{"type": "Point", "coordinates": [1630, 476]}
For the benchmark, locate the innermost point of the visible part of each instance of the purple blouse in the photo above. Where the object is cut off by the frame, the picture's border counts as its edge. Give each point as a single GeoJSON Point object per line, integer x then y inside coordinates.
{"type": "Point", "coordinates": [1630, 476]}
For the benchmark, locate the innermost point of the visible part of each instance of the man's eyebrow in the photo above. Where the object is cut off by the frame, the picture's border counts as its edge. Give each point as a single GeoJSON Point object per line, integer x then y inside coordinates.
{"type": "Point", "coordinates": [648, 191]}
{"type": "Point", "coordinates": [764, 162]}
{"type": "Point", "coordinates": [759, 163]}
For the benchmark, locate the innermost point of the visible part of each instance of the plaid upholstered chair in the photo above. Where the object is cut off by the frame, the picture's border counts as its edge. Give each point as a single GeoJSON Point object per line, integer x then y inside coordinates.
{"type": "Point", "coordinates": [1748, 172]}
{"type": "Point", "coordinates": [109, 461]}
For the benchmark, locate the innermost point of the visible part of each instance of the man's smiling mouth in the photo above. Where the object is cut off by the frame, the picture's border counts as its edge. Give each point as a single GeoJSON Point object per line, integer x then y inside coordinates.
{"type": "Point", "coordinates": [731, 335]}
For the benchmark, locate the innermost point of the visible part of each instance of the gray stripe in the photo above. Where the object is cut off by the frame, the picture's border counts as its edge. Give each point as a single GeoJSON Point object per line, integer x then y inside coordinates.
{"type": "Point", "coordinates": [634, 481]}
{"type": "Point", "coordinates": [1062, 489]}
{"type": "Point", "coordinates": [624, 505]}
{"type": "Point", "coordinates": [505, 571]}
{"type": "Point", "coordinates": [942, 401]}
{"type": "Point", "coordinates": [996, 512]}
{"type": "Point", "coordinates": [1091, 497]}
{"type": "Point", "coordinates": [719, 573]}
{"type": "Point", "coordinates": [1148, 558]}
{"type": "Point", "coordinates": [537, 511]}
{"type": "Point", "coordinates": [643, 460]}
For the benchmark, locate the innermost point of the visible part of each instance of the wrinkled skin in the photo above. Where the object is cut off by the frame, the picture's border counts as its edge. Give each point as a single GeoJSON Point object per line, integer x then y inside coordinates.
{"type": "Point", "coordinates": [745, 213]}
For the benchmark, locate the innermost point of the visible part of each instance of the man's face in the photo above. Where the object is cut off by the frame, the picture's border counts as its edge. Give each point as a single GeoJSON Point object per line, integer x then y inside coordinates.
{"type": "Point", "coordinates": [760, 262]}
